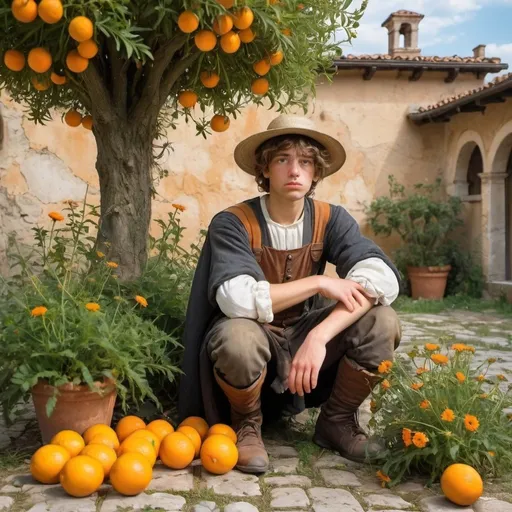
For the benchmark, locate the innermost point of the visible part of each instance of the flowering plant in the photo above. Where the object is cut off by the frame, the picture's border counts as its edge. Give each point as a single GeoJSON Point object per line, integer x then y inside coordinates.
{"type": "Point", "coordinates": [434, 409]}
{"type": "Point", "coordinates": [65, 319]}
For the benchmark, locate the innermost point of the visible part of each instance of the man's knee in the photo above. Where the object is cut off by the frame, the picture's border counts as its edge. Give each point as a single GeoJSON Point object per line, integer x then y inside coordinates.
{"type": "Point", "coordinates": [387, 325]}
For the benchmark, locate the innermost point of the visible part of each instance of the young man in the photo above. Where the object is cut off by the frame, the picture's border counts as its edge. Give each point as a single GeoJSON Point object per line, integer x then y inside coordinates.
{"type": "Point", "coordinates": [260, 333]}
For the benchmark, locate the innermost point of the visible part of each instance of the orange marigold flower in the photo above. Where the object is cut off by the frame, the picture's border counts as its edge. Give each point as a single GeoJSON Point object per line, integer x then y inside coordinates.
{"type": "Point", "coordinates": [385, 384]}
{"type": "Point", "coordinates": [471, 349]}
{"type": "Point", "coordinates": [417, 385]}
{"type": "Point", "coordinates": [100, 254]}
{"type": "Point", "coordinates": [460, 377]}
{"type": "Point", "coordinates": [459, 347]}
{"type": "Point", "coordinates": [431, 347]}
{"type": "Point", "coordinates": [483, 396]}
{"type": "Point", "coordinates": [141, 300]}
{"type": "Point", "coordinates": [491, 453]}
{"type": "Point", "coordinates": [420, 440]}
{"type": "Point", "coordinates": [501, 377]}
{"type": "Point", "coordinates": [425, 404]}
{"type": "Point", "coordinates": [383, 477]}
{"type": "Point", "coordinates": [471, 422]}
{"type": "Point", "coordinates": [56, 216]}
{"type": "Point", "coordinates": [421, 371]}
{"type": "Point", "coordinates": [39, 311]}
{"type": "Point", "coordinates": [439, 359]}
{"type": "Point", "coordinates": [407, 436]}
{"type": "Point", "coordinates": [179, 207]}
{"type": "Point", "coordinates": [480, 378]}
{"type": "Point", "coordinates": [448, 415]}
{"type": "Point", "coordinates": [385, 366]}
{"type": "Point", "coordinates": [92, 306]}
{"type": "Point", "coordinates": [112, 264]}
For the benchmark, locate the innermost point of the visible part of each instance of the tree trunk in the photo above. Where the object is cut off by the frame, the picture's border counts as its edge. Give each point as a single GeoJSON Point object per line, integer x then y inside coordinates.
{"type": "Point", "coordinates": [124, 168]}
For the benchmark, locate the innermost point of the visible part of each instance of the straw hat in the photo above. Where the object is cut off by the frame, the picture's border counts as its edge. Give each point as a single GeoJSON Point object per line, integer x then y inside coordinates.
{"type": "Point", "coordinates": [287, 125]}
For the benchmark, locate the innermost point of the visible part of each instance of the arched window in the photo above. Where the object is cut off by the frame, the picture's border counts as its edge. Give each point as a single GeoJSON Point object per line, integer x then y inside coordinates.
{"type": "Point", "coordinates": [475, 167]}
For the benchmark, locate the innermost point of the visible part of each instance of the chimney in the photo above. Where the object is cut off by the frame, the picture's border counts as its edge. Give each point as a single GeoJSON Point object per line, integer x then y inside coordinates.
{"type": "Point", "coordinates": [479, 51]}
{"type": "Point", "coordinates": [403, 23]}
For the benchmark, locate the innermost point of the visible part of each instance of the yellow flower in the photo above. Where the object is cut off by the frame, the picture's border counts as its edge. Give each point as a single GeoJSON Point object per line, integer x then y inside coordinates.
{"type": "Point", "coordinates": [448, 415]}
{"type": "Point", "coordinates": [431, 347]}
{"type": "Point", "coordinates": [421, 371]}
{"type": "Point", "coordinates": [92, 306]}
{"type": "Point", "coordinates": [480, 378]}
{"type": "Point", "coordinates": [141, 300]}
{"type": "Point", "coordinates": [420, 440]}
{"type": "Point", "coordinates": [417, 385]}
{"type": "Point", "coordinates": [179, 207]}
{"type": "Point", "coordinates": [100, 254]}
{"type": "Point", "coordinates": [460, 377]}
{"type": "Point", "coordinates": [501, 377]}
{"type": "Point", "coordinates": [383, 477]}
{"type": "Point", "coordinates": [439, 359]}
{"type": "Point", "coordinates": [425, 404]}
{"type": "Point", "coordinates": [407, 436]}
{"type": "Point", "coordinates": [491, 453]}
{"type": "Point", "coordinates": [471, 422]}
{"type": "Point", "coordinates": [459, 347]}
{"type": "Point", "coordinates": [385, 384]}
{"type": "Point", "coordinates": [385, 366]}
{"type": "Point", "coordinates": [56, 216]}
{"type": "Point", "coordinates": [483, 396]}
{"type": "Point", "coordinates": [491, 360]}
{"type": "Point", "coordinates": [112, 264]}
{"type": "Point", "coordinates": [39, 311]}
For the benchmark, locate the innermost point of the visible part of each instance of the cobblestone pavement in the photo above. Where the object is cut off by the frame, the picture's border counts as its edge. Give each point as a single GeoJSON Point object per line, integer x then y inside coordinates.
{"type": "Point", "coordinates": [302, 478]}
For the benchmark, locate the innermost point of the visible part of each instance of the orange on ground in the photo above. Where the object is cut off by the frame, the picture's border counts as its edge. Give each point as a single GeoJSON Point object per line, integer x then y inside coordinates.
{"type": "Point", "coordinates": [24, 11]}
{"type": "Point", "coordinates": [69, 439]}
{"type": "Point", "coordinates": [73, 118]}
{"type": "Point", "coordinates": [461, 484]}
{"type": "Point", "coordinates": [177, 451]}
{"type": "Point", "coordinates": [58, 79]}
{"type": "Point", "coordinates": [230, 42]}
{"type": "Point", "coordinates": [14, 60]}
{"type": "Point", "coordinates": [39, 60]}
{"type": "Point", "coordinates": [149, 436]}
{"type": "Point", "coordinates": [247, 35]}
{"type": "Point", "coordinates": [219, 454]}
{"type": "Point", "coordinates": [227, 4]}
{"type": "Point", "coordinates": [188, 22]}
{"type": "Point", "coordinates": [81, 29]}
{"type": "Point", "coordinates": [262, 67]}
{"type": "Point", "coordinates": [187, 99]}
{"type": "Point", "coordinates": [260, 86]}
{"type": "Point", "coordinates": [205, 40]}
{"type": "Point", "coordinates": [87, 122]}
{"type": "Point", "coordinates": [88, 49]}
{"type": "Point", "coordinates": [243, 18]}
{"type": "Point", "coordinates": [75, 62]}
{"type": "Point", "coordinates": [99, 428]}
{"type": "Point", "coordinates": [47, 462]}
{"type": "Point", "coordinates": [222, 429]}
{"type": "Point", "coordinates": [220, 123]}
{"type": "Point", "coordinates": [209, 79]}
{"type": "Point", "coordinates": [195, 421]}
{"type": "Point", "coordinates": [128, 425]}
{"type": "Point", "coordinates": [276, 58]}
{"type": "Point", "coordinates": [222, 24]}
{"type": "Point", "coordinates": [105, 455]}
{"type": "Point", "coordinates": [138, 445]}
{"type": "Point", "coordinates": [106, 440]}
{"type": "Point", "coordinates": [81, 476]}
{"type": "Point", "coordinates": [131, 474]}
{"type": "Point", "coordinates": [161, 428]}
{"type": "Point", "coordinates": [194, 436]}
{"type": "Point", "coordinates": [50, 11]}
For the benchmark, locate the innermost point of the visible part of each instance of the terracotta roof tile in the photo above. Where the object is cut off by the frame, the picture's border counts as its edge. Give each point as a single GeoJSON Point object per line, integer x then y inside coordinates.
{"type": "Point", "coordinates": [403, 12]}
{"type": "Point", "coordinates": [498, 80]}
{"type": "Point", "coordinates": [421, 58]}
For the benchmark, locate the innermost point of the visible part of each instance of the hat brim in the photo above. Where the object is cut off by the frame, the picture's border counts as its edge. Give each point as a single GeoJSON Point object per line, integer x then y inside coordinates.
{"type": "Point", "coordinates": [245, 151]}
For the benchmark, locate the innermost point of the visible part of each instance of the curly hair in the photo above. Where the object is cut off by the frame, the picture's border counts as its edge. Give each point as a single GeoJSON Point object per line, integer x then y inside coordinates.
{"type": "Point", "coordinates": [305, 146]}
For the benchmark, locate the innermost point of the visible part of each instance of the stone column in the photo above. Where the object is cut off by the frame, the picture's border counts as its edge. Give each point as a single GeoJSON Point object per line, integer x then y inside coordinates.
{"type": "Point", "coordinates": [494, 236]}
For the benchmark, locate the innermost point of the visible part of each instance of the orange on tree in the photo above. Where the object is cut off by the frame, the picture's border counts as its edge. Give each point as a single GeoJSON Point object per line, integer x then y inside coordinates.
{"type": "Point", "coordinates": [40, 85]}
{"type": "Point", "coordinates": [88, 49]}
{"type": "Point", "coordinates": [14, 60]}
{"type": "Point", "coordinates": [222, 24]}
{"type": "Point", "coordinates": [58, 79]}
{"type": "Point", "coordinates": [98, 428]}
{"type": "Point", "coordinates": [47, 463]}
{"type": "Point", "coordinates": [188, 22]}
{"type": "Point", "coordinates": [161, 428]}
{"type": "Point", "coordinates": [138, 445]}
{"type": "Point", "coordinates": [219, 454]}
{"type": "Point", "coordinates": [220, 123]}
{"type": "Point", "coordinates": [105, 455]}
{"type": "Point", "coordinates": [73, 118]}
{"type": "Point", "coordinates": [461, 484]}
{"type": "Point", "coordinates": [81, 476]}
{"type": "Point", "coordinates": [222, 429]}
{"type": "Point", "coordinates": [87, 122]}
{"type": "Point", "coordinates": [187, 99]}
{"type": "Point", "coordinates": [69, 439]}
{"type": "Point", "coordinates": [247, 35]}
{"type": "Point", "coordinates": [262, 67]}
{"type": "Point", "coordinates": [50, 11]}
{"type": "Point", "coordinates": [130, 474]}
{"type": "Point", "coordinates": [205, 40]}
{"type": "Point", "coordinates": [24, 11]}
{"type": "Point", "coordinates": [194, 436]}
{"type": "Point", "coordinates": [260, 86]}
{"type": "Point", "coordinates": [149, 436]}
{"type": "Point", "coordinates": [209, 79]}
{"type": "Point", "coordinates": [75, 62]}
{"type": "Point", "coordinates": [287, 32]}
{"type": "Point", "coordinates": [177, 451]}
{"type": "Point", "coordinates": [227, 4]}
{"type": "Point", "coordinates": [276, 58]}
{"type": "Point", "coordinates": [128, 425]}
{"type": "Point", "coordinates": [81, 29]}
{"type": "Point", "coordinates": [230, 42]}
{"type": "Point", "coordinates": [243, 18]}
{"type": "Point", "coordinates": [39, 60]}
{"type": "Point", "coordinates": [196, 422]}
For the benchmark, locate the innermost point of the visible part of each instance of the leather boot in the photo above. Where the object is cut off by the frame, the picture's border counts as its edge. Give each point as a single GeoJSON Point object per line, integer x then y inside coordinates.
{"type": "Point", "coordinates": [247, 419]}
{"type": "Point", "coordinates": [337, 427]}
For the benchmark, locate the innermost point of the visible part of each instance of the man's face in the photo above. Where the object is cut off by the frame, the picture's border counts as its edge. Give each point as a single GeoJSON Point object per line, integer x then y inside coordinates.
{"type": "Point", "coordinates": [291, 174]}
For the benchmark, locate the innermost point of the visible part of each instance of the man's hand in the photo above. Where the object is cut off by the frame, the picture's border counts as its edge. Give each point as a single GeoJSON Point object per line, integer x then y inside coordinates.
{"type": "Point", "coordinates": [306, 365]}
{"type": "Point", "coordinates": [349, 293]}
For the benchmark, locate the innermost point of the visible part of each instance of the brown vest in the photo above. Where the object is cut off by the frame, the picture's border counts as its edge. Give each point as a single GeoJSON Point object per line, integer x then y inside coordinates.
{"type": "Point", "coordinates": [281, 266]}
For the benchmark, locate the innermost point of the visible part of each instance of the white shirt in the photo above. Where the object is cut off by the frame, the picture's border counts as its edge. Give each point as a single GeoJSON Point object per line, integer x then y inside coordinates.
{"type": "Point", "coordinates": [244, 297]}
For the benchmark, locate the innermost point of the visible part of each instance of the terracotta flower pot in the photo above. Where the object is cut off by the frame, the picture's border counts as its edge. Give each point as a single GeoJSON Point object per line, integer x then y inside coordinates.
{"type": "Point", "coordinates": [428, 282]}
{"type": "Point", "coordinates": [77, 407]}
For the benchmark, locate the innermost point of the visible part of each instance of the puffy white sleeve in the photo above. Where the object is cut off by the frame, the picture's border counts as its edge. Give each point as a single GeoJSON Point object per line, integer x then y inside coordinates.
{"type": "Point", "coordinates": [377, 279]}
{"type": "Point", "coordinates": [244, 297]}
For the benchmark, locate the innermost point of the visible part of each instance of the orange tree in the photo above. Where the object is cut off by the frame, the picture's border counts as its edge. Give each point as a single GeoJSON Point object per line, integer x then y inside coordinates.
{"type": "Point", "coordinates": [129, 69]}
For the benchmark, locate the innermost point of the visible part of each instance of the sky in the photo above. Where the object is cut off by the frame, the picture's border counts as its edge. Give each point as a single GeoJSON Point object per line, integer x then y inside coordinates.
{"type": "Point", "coordinates": [450, 27]}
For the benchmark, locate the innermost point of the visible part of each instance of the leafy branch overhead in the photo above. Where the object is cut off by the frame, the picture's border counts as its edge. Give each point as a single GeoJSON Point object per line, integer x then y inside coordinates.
{"type": "Point", "coordinates": [124, 59]}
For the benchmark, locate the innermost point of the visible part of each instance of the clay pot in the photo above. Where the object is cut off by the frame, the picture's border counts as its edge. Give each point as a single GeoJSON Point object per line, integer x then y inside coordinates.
{"type": "Point", "coordinates": [428, 282]}
{"type": "Point", "coordinates": [77, 407]}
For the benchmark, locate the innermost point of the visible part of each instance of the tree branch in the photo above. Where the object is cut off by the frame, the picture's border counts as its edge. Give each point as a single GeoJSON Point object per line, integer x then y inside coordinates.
{"type": "Point", "coordinates": [98, 92]}
{"type": "Point", "coordinates": [119, 79]}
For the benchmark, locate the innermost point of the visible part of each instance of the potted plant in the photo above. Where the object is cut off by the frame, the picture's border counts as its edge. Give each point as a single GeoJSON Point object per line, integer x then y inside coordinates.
{"type": "Point", "coordinates": [424, 221]}
{"type": "Point", "coordinates": [69, 337]}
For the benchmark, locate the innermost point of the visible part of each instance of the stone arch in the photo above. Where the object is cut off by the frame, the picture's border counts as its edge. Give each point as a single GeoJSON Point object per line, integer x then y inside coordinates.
{"type": "Point", "coordinates": [500, 149]}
